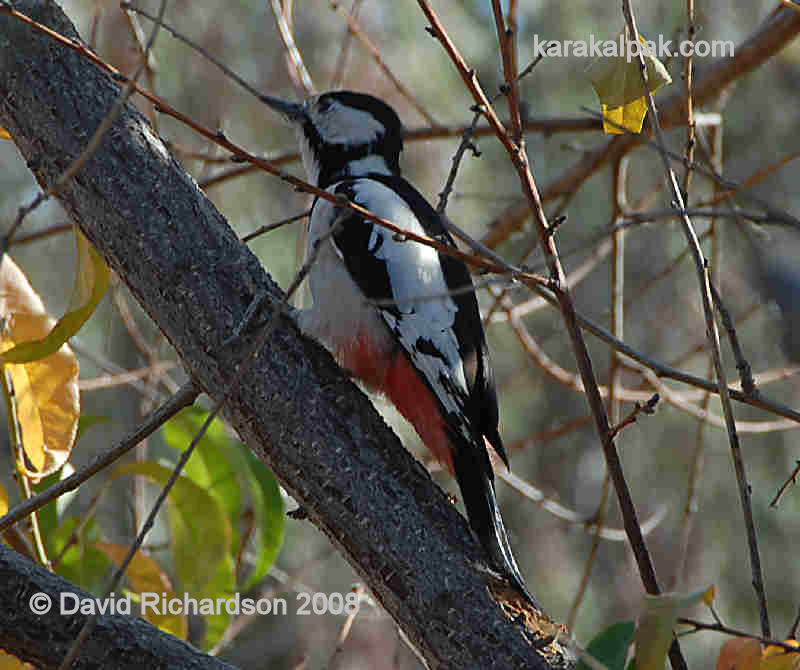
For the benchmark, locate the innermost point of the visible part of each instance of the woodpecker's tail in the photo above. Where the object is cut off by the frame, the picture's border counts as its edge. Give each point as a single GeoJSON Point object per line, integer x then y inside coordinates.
{"type": "Point", "coordinates": [476, 481]}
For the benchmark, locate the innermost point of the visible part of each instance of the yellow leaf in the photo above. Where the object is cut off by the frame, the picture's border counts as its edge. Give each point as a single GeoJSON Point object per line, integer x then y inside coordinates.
{"type": "Point", "coordinates": [9, 662]}
{"type": "Point", "coordinates": [4, 134]}
{"type": "Point", "coordinates": [91, 281]}
{"type": "Point", "coordinates": [618, 83]}
{"type": "Point", "coordinates": [772, 649]}
{"type": "Point", "coordinates": [793, 5]}
{"type": "Point", "coordinates": [145, 576]}
{"type": "Point", "coordinates": [43, 393]}
{"type": "Point", "coordinates": [777, 658]}
{"type": "Point", "coordinates": [3, 500]}
{"type": "Point", "coordinates": [740, 653]}
{"type": "Point", "coordinates": [628, 117]}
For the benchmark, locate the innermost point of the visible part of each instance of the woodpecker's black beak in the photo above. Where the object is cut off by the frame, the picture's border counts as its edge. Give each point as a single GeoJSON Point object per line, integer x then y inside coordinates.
{"type": "Point", "coordinates": [293, 112]}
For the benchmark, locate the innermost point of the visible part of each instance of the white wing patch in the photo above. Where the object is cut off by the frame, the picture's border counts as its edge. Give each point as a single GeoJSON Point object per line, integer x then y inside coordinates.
{"type": "Point", "coordinates": [424, 325]}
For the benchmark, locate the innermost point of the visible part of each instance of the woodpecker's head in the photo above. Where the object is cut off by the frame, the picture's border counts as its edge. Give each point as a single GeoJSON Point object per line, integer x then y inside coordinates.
{"type": "Point", "coordinates": [344, 134]}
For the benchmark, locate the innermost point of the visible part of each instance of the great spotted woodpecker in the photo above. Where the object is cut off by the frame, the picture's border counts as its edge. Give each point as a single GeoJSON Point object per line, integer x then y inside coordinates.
{"type": "Point", "coordinates": [395, 312]}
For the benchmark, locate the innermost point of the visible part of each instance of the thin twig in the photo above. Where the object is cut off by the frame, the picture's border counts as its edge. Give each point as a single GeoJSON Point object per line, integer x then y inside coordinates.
{"type": "Point", "coordinates": [590, 524]}
{"type": "Point", "coordinates": [125, 378]}
{"type": "Point", "coordinates": [573, 279]}
{"type": "Point", "coordinates": [776, 213]}
{"type": "Point", "coordinates": [519, 159]}
{"type": "Point", "coordinates": [344, 633]}
{"type": "Point", "coordinates": [93, 144]}
{"type": "Point", "coordinates": [688, 72]}
{"type": "Point", "coordinates": [268, 228]}
{"type": "Point", "coordinates": [697, 468]}
{"type": "Point", "coordinates": [116, 577]}
{"type": "Point", "coordinates": [591, 558]}
{"type": "Point", "coordinates": [648, 408]}
{"type": "Point", "coordinates": [545, 126]}
{"type": "Point", "coordinates": [151, 65]}
{"type": "Point", "coordinates": [792, 480]}
{"type": "Point", "coordinates": [355, 29]}
{"type": "Point", "coordinates": [57, 229]}
{"type": "Point", "coordinates": [508, 52]}
{"type": "Point", "coordinates": [637, 218]}
{"type": "Point", "coordinates": [193, 45]}
{"type": "Point", "coordinates": [459, 290]}
{"type": "Point", "coordinates": [619, 197]}
{"type": "Point", "coordinates": [727, 630]}
{"type": "Point", "coordinates": [147, 350]}
{"type": "Point", "coordinates": [755, 178]}
{"type": "Point", "coordinates": [663, 370]}
{"type": "Point", "coordinates": [466, 143]}
{"type": "Point", "coordinates": [792, 634]}
{"type": "Point", "coordinates": [713, 337]}
{"type": "Point", "coordinates": [183, 398]}
{"type": "Point", "coordinates": [299, 70]}
{"type": "Point", "coordinates": [258, 345]}
{"type": "Point", "coordinates": [745, 373]}
{"type": "Point", "coordinates": [341, 61]}
{"type": "Point", "coordinates": [112, 368]}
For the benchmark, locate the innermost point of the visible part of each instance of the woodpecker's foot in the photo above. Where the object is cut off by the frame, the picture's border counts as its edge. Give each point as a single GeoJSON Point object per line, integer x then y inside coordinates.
{"type": "Point", "coordinates": [248, 322]}
{"type": "Point", "coordinates": [304, 320]}
{"type": "Point", "coordinates": [299, 514]}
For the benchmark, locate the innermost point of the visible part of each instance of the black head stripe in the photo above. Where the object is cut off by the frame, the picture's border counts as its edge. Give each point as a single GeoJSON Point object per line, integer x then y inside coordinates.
{"type": "Point", "coordinates": [334, 158]}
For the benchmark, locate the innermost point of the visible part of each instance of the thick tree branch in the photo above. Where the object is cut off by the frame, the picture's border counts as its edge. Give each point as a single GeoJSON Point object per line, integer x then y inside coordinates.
{"type": "Point", "coordinates": [293, 406]}
{"type": "Point", "coordinates": [119, 641]}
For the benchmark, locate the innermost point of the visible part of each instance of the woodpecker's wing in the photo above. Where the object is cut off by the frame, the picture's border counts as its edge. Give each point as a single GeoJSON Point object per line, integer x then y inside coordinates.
{"type": "Point", "coordinates": [422, 298]}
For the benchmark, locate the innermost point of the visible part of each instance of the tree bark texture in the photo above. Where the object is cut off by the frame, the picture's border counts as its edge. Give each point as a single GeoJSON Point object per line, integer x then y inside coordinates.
{"type": "Point", "coordinates": [292, 405]}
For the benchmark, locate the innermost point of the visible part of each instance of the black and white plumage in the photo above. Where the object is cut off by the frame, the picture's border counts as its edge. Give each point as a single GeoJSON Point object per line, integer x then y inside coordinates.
{"type": "Point", "coordinates": [393, 311]}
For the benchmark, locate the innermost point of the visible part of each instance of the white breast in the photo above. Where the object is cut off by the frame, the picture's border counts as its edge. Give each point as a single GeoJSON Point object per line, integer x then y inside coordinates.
{"type": "Point", "coordinates": [341, 311]}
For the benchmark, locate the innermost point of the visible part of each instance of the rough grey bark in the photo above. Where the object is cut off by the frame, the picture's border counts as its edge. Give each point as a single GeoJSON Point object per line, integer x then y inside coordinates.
{"type": "Point", "coordinates": [292, 406]}
{"type": "Point", "coordinates": [119, 642]}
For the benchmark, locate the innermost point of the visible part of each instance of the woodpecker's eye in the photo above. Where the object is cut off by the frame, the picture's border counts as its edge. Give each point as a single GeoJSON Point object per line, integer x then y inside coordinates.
{"type": "Point", "coordinates": [324, 104]}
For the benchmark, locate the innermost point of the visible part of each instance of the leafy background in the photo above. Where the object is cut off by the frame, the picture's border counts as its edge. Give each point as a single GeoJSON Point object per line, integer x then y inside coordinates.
{"type": "Point", "coordinates": [760, 119]}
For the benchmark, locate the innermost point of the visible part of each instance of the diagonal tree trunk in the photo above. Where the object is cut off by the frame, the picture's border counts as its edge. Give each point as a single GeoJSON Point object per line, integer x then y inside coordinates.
{"type": "Point", "coordinates": [293, 406]}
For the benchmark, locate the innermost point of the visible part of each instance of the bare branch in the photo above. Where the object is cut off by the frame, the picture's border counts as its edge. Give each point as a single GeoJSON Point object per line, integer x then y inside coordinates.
{"type": "Point", "coordinates": [792, 480]}
{"type": "Point", "coordinates": [293, 406]}
{"type": "Point", "coordinates": [713, 337]}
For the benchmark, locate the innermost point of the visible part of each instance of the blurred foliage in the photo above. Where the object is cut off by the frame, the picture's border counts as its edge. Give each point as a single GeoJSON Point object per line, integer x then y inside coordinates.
{"type": "Point", "coordinates": [662, 319]}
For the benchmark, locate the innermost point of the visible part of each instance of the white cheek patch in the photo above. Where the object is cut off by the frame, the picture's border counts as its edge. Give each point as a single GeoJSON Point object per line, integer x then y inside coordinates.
{"type": "Point", "coordinates": [346, 125]}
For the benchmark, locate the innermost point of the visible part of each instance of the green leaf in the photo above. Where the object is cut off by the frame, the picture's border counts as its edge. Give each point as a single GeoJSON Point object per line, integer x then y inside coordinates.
{"type": "Point", "coordinates": [81, 563]}
{"type": "Point", "coordinates": [611, 646]}
{"type": "Point", "coordinates": [200, 533]}
{"type": "Point", "coordinates": [654, 634]}
{"type": "Point", "coordinates": [226, 467]}
{"type": "Point", "coordinates": [270, 516]}
{"type": "Point", "coordinates": [223, 585]}
{"type": "Point", "coordinates": [52, 512]}
{"type": "Point", "coordinates": [210, 465]}
{"type": "Point", "coordinates": [91, 280]}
